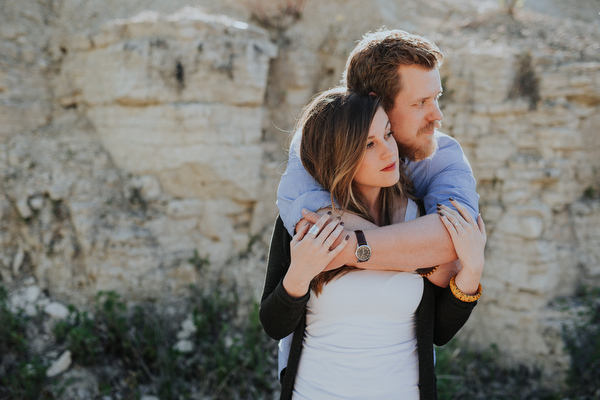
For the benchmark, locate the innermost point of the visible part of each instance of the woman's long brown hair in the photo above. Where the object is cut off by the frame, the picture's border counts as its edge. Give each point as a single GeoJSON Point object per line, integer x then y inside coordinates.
{"type": "Point", "coordinates": [335, 127]}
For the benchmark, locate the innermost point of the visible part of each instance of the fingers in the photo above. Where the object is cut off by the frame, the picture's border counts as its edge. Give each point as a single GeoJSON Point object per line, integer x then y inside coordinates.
{"type": "Point", "coordinates": [315, 229]}
{"type": "Point", "coordinates": [328, 229]}
{"type": "Point", "coordinates": [481, 225]}
{"type": "Point", "coordinates": [460, 218]}
{"type": "Point", "coordinates": [300, 233]}
{"type": "Point", "coordinates": [300, 224]}
{"type": "Point", "coordinates": [323, 234]}
{"type": "Point", "coordinates": [337, 229]}
{"type": "Point", "coordinates": [450, 227]}
{"type": "Point", "coordinates": [451, 216]}
{"type": "Point", "coordinates": [311, 216]}
{"type": "Point", "coordinates": [463, 210]}
{"type": "Point", "coordinates": [324, 231]}
{"type": "Point", "coordinates": [334, 252]}
{"type": "Point", "coordinates": [311, 230]}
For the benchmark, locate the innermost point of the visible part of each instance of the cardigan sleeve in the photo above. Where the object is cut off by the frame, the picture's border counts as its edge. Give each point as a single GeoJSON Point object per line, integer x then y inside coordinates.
{"type": "Point", "coordinates": [450, 315]}
{"type": "Point", "coordinates": [279, 312]}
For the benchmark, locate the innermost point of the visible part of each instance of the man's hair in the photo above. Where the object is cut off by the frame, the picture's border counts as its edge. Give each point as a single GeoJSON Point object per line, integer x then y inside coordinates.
{"type": "Point", "coordinates": [335, 128]}
{"type": "Point", "coordinates": [372, 67]}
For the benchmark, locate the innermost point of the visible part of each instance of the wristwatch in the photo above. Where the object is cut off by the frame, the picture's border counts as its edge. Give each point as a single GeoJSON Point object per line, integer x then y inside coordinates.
{"type": "Point", "coordinates": [363, 251]}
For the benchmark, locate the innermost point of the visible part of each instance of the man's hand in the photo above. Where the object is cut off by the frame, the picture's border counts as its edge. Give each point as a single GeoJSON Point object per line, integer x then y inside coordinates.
{"type": "Point", "coordinates": [442, 275]}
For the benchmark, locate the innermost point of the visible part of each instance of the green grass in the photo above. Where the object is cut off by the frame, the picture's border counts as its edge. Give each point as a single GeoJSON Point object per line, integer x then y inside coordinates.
{"type": "Point", "coordinates": [582, 342]}
{"type": "Point", "coordinates": [22, 373]}
{"type": "Point", "coordinates": [464, 373]}
{"type": "Point", "coordinates": [130, 350]}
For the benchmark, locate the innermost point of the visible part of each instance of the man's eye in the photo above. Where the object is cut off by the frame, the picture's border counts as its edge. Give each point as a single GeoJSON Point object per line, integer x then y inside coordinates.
{"type": "Point", "coordinates": [390, 134]}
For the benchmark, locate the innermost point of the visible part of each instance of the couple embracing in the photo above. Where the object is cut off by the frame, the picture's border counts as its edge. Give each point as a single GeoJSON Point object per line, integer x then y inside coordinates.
{"type": "Point", "coordinates": [359, 293]}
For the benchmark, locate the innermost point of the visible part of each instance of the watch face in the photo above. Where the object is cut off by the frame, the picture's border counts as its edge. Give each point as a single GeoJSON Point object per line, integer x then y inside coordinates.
{"type": "Point", "coordinates": [363, 253]}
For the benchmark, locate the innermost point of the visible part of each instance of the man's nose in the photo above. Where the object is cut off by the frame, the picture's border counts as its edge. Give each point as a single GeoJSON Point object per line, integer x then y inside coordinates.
{"type": "Point", "coordinates": [436, 113]}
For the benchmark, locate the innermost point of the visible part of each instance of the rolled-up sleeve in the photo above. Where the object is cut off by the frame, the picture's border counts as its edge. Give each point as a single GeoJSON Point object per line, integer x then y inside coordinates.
{"type": "Point", "coordinates": [298, 189]}
{"type": "Point", "coordinates": [447, 174]}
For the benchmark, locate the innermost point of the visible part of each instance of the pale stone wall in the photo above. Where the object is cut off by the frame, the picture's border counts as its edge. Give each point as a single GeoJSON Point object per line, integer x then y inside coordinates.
{"type": "Point", "coordinates": [534, 152]}
{"type": "Point", "coordinates": [136, 133]}
{"type": "Point", "coordinates": [153, 156]}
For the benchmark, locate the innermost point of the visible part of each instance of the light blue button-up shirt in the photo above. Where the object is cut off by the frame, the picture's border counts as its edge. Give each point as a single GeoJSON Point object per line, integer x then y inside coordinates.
{"type": "Point", "coordinates": [445, 174]}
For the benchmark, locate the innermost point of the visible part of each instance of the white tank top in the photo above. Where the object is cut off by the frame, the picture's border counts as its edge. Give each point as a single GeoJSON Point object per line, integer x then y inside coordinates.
{"type": "Point", "coordinates": [360, 338]}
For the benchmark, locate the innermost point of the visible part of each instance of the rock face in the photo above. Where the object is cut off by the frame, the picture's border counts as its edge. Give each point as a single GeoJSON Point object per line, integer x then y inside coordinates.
{"type": "Point", "coordinates": [195, 82]}
{"type": "Point", "coordinates": [140, 150]}
{"type": "Point", "coordinates": [154, 158]}
{"type": "Point", "coordinates": [525, 115]}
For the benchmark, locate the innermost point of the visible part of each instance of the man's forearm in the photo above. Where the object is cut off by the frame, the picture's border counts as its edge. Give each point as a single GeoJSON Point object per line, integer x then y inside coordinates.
{"type": "Point", "coordinates": [423, 242]}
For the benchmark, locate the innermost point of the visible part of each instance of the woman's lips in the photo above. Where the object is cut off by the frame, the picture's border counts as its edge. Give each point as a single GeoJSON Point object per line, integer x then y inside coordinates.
{"type": "Point", "coordinates": [390, 167]}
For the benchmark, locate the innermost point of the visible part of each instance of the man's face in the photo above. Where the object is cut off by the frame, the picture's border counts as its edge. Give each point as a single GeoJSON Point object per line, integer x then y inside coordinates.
{"type": "Point", "coordinates": [416, 111]}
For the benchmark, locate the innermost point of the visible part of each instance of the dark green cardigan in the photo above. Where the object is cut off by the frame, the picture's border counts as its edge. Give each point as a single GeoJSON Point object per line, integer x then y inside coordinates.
{"type": "Point", "coordinates": [439, 316]}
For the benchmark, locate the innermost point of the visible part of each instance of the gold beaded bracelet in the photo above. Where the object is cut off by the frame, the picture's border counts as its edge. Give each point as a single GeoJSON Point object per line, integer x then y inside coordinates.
{"type": "Point", "coordinates": [467, 298]}
{"type": "Point", "coordinates": [425, 272]}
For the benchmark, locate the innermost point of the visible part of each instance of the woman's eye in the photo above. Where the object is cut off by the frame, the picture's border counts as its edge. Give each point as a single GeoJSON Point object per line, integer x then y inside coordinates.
{"type": "Point", "coordinates": [369, 145]}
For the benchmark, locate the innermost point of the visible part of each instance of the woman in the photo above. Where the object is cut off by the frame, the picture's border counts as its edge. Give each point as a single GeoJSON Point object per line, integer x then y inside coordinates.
{"type": "Point", "coordinates": [361, 334]}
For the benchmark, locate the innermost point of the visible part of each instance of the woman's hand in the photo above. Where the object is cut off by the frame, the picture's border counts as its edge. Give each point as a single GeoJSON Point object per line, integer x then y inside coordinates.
{"type": "Point", "coordinates": [311, 252]}
{"type": "Point", "coordinates": [469, 238]}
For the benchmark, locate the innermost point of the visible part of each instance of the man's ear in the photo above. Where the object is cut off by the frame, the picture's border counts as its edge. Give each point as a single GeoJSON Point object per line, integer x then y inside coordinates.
{"type": "Point", "coordinates": [373, 94]}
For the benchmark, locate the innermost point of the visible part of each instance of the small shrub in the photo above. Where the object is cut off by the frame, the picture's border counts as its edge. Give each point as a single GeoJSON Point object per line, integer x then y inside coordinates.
{"type": "Point", "coordinates": [79, 332]}
{"type": "Point", "coordinates": [235, 352]}
{"type": "Point", "coordinates": [199, 262]}
{"type": "Point", "coordinates": [230, 360]}
{"type": "Point", "coordinates": [582, 341]}
{"type": "Point", "coordinates": [26, 380]}
{"type": "Point", "coordinates": [590, 193]}
{"type": "Point", "coordinates": [12, 327]}
{"type": "Point", "coordinates": [526, 83]}
{"type": "Point", "coordinates": [464, 373]}
{"type": "Point", "coordinates": [22, 374]}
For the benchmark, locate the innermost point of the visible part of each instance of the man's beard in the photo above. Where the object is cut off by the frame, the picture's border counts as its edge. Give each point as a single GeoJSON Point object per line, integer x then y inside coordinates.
{"type": "Point", "coordinates": [416, 152]}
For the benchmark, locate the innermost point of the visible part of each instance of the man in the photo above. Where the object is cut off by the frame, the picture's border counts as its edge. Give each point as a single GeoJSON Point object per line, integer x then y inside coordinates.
{"type": "Point", "coordinates": [402, 69]}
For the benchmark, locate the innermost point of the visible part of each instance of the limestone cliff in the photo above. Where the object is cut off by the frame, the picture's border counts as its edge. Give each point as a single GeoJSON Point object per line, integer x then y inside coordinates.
{"type": "Point", "coordinates": [141, 143]}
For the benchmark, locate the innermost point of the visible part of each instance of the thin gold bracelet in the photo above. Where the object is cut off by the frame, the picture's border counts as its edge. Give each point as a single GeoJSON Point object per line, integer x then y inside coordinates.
{"type": "Point", "coordinates": [467, 298]}
{"type": "Point", "coordinates": [428, 272]}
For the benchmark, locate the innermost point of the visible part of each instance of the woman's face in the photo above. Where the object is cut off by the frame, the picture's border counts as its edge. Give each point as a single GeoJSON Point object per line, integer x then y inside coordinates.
{"type": "Point", "coordinates": [379, 167]}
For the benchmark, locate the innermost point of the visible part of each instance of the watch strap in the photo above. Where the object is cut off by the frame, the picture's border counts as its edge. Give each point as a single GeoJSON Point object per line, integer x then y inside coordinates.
{"type": "Point", "coordinates": [360, 238]}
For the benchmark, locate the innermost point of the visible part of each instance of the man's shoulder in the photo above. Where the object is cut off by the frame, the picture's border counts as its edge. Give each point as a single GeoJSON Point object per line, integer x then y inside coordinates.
{"type": "Point", "coordinates": [448, 149]}
{"type": "Point", "coordinates": [446, 142]}
{"type": "Point", "coordinates": [449, 154]}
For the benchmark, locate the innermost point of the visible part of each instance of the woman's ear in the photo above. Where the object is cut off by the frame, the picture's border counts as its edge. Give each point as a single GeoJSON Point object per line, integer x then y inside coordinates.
{"type": "Point", "coordinates": [373, 94]}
